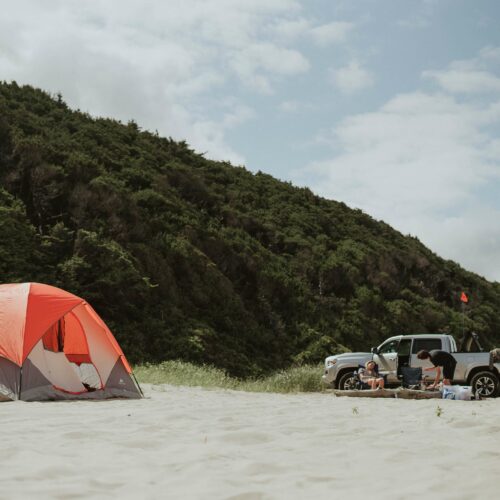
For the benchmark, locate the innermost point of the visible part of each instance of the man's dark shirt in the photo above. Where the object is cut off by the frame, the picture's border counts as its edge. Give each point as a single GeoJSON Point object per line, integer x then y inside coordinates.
{"type": "Point", "coordinates": [442, 358]}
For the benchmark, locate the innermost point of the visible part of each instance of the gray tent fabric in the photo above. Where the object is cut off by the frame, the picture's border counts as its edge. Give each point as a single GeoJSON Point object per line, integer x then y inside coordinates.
{"type": "Point", "coordinates": [51, 394]}
{"type": "Point", "coordinates": [120, 382]}
{"type": "Point", "coordinates": [10, 375]}
{"type": "Point", "coordinates": [35, 387]}
{"type": "Point", "coordinates": [32, 380]}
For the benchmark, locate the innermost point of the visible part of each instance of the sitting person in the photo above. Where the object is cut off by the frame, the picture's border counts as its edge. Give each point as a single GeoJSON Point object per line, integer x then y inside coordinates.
{"type": "Point", "coordinates": [369, 375]}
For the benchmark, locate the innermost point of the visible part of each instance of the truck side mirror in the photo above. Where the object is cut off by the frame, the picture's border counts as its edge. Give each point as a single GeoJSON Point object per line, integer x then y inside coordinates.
{"type": "Point", "coordinates": [374, 350]}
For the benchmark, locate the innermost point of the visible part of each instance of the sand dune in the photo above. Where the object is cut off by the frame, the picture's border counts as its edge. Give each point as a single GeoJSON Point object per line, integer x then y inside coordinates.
{"type": "Point", "coordinates": [195, 443]}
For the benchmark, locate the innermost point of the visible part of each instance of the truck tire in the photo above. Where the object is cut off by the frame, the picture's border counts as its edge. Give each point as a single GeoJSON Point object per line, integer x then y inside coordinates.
{"type": "Point", "coordinates": [484, 384]}
{"type": "Point", "coordinates": [347, 382]}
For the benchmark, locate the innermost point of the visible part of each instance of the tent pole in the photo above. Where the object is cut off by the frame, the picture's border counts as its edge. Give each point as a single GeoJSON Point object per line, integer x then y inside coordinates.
{"type": "Point", "coordinates": [138, 386]}
{"type": "Point", "coordinates": [20, 382]}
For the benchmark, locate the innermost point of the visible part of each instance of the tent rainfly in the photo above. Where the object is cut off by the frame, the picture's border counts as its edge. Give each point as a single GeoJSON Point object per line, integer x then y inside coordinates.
{"type": "Point", "coordinates": [54, 346]}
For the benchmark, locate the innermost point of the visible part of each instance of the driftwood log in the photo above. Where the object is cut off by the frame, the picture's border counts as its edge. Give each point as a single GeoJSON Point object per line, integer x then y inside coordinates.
{"type": "Point", "coordinates": [399, 393]}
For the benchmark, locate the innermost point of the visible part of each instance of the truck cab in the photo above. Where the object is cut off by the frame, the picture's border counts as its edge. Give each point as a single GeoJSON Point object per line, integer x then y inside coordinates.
{"type": "Point", "coordinates": [400, 351]}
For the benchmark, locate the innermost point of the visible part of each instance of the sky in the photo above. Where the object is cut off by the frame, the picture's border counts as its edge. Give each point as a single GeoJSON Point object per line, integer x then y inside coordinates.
{"type": "Point", "coordinates": [391, 106]}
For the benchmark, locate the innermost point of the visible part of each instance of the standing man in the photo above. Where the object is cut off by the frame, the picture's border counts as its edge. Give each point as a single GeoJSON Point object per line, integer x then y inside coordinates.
{"type": "Point", "coordinates": [440, 359]}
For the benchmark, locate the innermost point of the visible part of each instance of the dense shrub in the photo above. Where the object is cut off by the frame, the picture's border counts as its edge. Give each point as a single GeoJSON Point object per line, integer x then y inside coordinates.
{"type": "Point", "coordinates": [192, 259]}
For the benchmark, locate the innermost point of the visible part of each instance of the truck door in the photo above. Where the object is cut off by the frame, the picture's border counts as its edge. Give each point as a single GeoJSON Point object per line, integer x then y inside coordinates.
{"type": "Point", "coordinates": [387, 360]}
{"type": "Point", "coordinates": [404, 354]}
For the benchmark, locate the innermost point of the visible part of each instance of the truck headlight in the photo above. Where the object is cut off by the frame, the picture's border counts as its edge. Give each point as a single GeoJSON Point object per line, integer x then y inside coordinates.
{"type": "Point", "coordinates": [330, 362]}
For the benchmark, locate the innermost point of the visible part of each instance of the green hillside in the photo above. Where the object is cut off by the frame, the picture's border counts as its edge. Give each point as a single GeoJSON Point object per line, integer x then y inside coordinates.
{"type": "Point", "coordinates": [193, 259]}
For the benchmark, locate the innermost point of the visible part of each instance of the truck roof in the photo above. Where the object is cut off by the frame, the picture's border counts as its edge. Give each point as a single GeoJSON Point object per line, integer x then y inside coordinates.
{"type": "Point", "coordinates": [418, 335]}
{"type": "Point", "coordinates": [425, 335]}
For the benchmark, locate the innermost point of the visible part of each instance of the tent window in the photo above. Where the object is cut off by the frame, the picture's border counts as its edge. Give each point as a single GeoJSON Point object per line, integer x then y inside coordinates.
{"type": "Point", "coordinates": [53, 338]}
{"type": "Point", "coordinates": [75, 343]}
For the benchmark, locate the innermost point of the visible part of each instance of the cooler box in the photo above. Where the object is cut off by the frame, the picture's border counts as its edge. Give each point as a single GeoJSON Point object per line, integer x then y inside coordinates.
{"type": "Point", "coordinates": [457, 392]}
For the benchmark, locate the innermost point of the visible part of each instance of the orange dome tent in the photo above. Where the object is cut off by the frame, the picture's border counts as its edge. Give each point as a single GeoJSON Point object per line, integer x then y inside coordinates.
{"type": "Point", "coordinates": [53, 346]}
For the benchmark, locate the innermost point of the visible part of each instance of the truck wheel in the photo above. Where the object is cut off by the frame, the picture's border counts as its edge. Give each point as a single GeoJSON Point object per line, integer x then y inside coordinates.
{"type": "Point", "coordinates": [484, 384]}
{"type": "Point", "coordinates": [347, 382]}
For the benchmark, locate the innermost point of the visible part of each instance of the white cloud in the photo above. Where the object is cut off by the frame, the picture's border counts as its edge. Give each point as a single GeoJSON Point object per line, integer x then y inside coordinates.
{"type": "Point", "coordinates": [469, 237]}
{"type": "Point", "coordinates": [331, 33]}
{"type": "Point", "coordinates": [159, 63]}
{"type": "Point", "coordinates": [473, 76]}
{"type": "Point", "coordinates": [419, 153]}
{"type": "Point", "coordinates": [490, 53]}
{"type": "Point", "coordinates": [209, 135]}
{"type": "Point", "coordinates": [323, 35]}
{"type": "Point", "coordinates": [290, 29]}
{"type": "Point", "coordinates": [259, 59]}
{"type": "Point", "coordinates": [420, 15]}
{"type": "Point", "coordinates": [424, 162]}
{"type": "Point", "coordinates": [351, 78]}
{"type": "Point", "coordinates": [466, 81]}
{"type": "Point", "coordinates": [289, 106]}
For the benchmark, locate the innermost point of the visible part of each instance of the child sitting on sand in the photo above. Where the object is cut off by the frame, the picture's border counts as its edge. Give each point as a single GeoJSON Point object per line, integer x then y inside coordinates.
{"type": "Point", "coordinates": [369, 375]}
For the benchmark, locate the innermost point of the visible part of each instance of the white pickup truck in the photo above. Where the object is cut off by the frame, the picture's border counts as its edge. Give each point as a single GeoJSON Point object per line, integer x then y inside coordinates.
{"type": "Point", "coordinates": [475, 367]}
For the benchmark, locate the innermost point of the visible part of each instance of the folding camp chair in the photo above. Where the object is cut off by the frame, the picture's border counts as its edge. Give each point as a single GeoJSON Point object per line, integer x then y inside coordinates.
{"type": "Point", "coordinates": [411, 378]}
{"type": "Point", "coordinates": [359, 384]}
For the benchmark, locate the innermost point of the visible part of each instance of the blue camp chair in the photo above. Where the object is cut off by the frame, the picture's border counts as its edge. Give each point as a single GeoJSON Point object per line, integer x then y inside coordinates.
{"type": "Point", "coordinates": [359, 384]}
{"type": "Point", "coordinates": [411, 378]}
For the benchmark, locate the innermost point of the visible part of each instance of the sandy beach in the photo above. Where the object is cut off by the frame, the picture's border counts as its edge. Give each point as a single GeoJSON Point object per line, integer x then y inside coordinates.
{"type": "Point", "coordinates": [197, 443]}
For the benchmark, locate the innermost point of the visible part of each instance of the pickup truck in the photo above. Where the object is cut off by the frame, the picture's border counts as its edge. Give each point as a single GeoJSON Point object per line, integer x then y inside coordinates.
{"type": "Point", "coordinates": [475, 367]}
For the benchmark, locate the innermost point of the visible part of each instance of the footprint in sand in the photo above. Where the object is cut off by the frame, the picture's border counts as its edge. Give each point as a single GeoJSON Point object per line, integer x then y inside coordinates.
{"type": "Point", "coordinates": [75, 435]}
{"type": "Point", "coordinates": [247, 438]}
{"type": "Point", "coordinates": [251, 495]}
{"type": "Point", "coordinates": [465, 424]}
{"type": "Point", "coordinates": [490, 429]}
{"type": "Point", "coordinates": [266, 469]}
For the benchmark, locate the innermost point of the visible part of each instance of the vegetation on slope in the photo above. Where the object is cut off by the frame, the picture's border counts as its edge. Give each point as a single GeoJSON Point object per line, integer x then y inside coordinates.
{"type": "Point", "coordinates": [193, 259]}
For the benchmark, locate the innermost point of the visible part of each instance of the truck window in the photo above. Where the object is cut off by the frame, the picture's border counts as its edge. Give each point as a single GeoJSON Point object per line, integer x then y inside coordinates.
{"type": "Point", "coordinates": [426, 344]}
{"type": "Point", "coordinates": [404, 353]}
{"type": "Point", "coordinates": [404, 347]}
{"type": "Point", "coordinates": [390, 346]}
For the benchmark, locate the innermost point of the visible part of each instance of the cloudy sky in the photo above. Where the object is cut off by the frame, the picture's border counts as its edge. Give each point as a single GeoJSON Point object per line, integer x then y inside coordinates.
{"type": "Point", "coordinates": [392, 106]}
